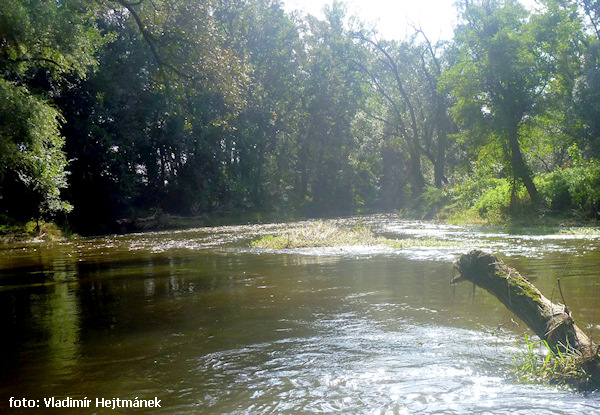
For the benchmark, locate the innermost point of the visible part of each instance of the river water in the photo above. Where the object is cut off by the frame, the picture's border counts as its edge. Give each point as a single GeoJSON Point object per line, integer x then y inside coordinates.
{"type": "Point", "coordinates": [207, 325]}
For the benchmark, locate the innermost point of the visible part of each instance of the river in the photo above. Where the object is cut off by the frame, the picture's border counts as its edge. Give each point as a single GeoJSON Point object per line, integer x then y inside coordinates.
{"type": "Point", "coordinates": [207, 325]}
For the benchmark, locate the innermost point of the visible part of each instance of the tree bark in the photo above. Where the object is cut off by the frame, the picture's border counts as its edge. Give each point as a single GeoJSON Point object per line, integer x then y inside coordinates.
{"type": "Point", "coordinates": [521, 170]}
{"type": "Point", "coordinates": [550, 321]}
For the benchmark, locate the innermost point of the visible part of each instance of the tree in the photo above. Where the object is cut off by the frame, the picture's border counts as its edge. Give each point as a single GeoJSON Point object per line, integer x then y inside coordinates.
{"type": "Point", "coordinates": [558, 34]}
{"type": "Point", "coordinates": [263, 139]}
{"type": "Point", "coordinates": [498, 79]}
{"type": "Point", "coordinates": [331, 99]}
{"type": "Point", "coordinates": [403, 80]}
{"type": "Point", "coordinates": [32, 163]}
{"type": "Point", "coordinates": [112, 121]}
{"type": "Point", "coordinates": [187, 46]}
{"type": "Point", "coordinates": [586, 94]}
{"type": "Point", "coordinates": [146, 130]}
{"type": "Point", "coordinates": [587, 99]}
{"type": "Point", "coordinates": [393, 76]}
{"type": "Point", "coordinates": [437, 138]}
{"type": "Point", "coordinates": [591, 10]}
{"type": "Point", "coordinates": [41, 43]}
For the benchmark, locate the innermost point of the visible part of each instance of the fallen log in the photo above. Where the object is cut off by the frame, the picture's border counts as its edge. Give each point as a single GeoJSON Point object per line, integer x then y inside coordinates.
{"type": "Point", "coordinates": [550, 321]}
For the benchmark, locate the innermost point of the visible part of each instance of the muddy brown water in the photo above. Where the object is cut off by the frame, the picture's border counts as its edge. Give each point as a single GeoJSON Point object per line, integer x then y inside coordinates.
{"type": "Point", "coordinates": [207, 325]}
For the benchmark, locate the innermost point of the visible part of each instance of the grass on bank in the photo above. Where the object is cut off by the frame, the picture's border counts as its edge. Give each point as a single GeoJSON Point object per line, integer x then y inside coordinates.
{"type": "Point", "coordinates": [566, 368]}
{"type": "Point", "coordinates": [32, 230]}
{"type": "Point", "coordinates": [570, 195]}
{"type": "Point", "coordinates": [322, 234]}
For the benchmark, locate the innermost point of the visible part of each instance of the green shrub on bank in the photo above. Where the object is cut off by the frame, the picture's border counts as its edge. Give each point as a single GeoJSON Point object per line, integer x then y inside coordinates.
{"type": "Point", "coordinates": [573, 189]}
{"type": "Point", "coordinates": [431, 201]}
{"type": "Point", "coordinates": [488, 200]}
{"type": "Point", "coordinates": [12, 231]}
{"type": "Point", "coordinates": [500, 200]}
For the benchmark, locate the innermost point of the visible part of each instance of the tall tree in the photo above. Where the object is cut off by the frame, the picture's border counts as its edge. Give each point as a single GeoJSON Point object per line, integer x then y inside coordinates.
{"type": "Point", "coordinates": [498, 78]}
{"type": "Point", "coordinates": [393, 77]}
{"type": "Point", "coordinates": [560, 39]}
{"type": "Point", "coordinates": [146, 130]}
{"type": "Point", "coordinates": [263, 140]}
{"type": "Point", "coordinates": [42, 43]}
{"type": "Point", "coordinates": [331, 98]}
{"type": "Point", "coordinates": [586, 95]}
{"type": "Point", "coordinates": [437, 141]}
{"type": "Point", "coordinates": [404, 79]}
{"type": "Point", "coordinates": [591, 10]}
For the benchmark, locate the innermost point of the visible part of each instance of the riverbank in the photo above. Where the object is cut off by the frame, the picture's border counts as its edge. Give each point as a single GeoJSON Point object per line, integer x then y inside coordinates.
{"type": "Point", "coordinates": [31, 231]}
{"type": "Point", "coordinates": [50, 231]}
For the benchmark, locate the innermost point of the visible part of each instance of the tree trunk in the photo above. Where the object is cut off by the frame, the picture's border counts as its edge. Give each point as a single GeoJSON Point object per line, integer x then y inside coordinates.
{"type": "Point", "coordinates": [551, 322]}
{"type": "Point", "coordinates": [440, 164]}
{"type": "Point", "coordinates": [521, 170]}
{"type": "Point", "coordinates": [418, 181]}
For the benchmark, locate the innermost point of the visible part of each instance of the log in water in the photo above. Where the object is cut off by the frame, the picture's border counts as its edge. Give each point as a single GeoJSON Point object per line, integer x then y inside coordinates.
{"type": "Point", "coordinates": [550, 321]}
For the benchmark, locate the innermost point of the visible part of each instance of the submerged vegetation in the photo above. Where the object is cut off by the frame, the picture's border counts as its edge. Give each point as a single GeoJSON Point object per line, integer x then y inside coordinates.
{"type": "Point", "coordinates": [324, 234]}
{"type": "Point", "coordinates": [538, 363]}
{"type": "Point", "coordinates": [318, 234]}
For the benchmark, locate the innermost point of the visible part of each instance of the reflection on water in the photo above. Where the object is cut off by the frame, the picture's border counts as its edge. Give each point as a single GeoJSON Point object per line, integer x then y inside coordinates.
{"type": "Point", "coordinates": [209, 325]}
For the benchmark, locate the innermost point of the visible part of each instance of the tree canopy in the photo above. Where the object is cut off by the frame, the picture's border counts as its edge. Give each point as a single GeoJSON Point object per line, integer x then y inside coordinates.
{"type": "Point", "coordinates": [114, 109]}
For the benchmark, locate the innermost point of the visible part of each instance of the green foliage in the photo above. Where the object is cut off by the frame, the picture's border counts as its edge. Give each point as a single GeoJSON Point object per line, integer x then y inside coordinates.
{"type": "Point", "coordinates": [264, 136]}
{"type": "Point", "coordinates": [576, 188]}
{"type": "Point", "coordinates": [332, 97]}
{"type": "Point", "coordinates": [42, 229]}
{"type": "Point", "coordinates": [236, 108]}
{"type": "Point", "coordinates": [59, 37]}
{"type": "Point", "coordinates": [431, 201]}
{"type": "Point", "coordinates": [11, 231]}
{"type": "Point", "coordinates": [31, 157]}
{"type": "Point", "coordinates": [512, 69]}
{"type": "Point", "coordinates": [486, 200]}
{"type": "Point", "coordinates": [41, 44]}
{"type": "Point", "coordinates": [189, 50]}
{"type": "Point", "coordinates": [495, 202]}
{"type": "Point", "coordinates": [587, 99]}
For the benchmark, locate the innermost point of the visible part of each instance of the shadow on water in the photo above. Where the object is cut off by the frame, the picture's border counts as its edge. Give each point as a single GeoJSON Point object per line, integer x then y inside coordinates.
{"type": "Point", "coordinates": [208, 325]}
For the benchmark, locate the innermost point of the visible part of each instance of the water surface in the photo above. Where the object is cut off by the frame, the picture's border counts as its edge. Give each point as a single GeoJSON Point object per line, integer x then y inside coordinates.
{"type": "Point", "coordinates": [209, 325]}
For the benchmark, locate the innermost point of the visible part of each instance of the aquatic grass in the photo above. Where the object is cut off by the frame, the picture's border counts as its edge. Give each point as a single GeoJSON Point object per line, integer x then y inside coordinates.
{"type": "Point", "coordinates": [416, 243]}
{"type": "Point", "coordinates": [580, 231]}
{"type": "Point", "coordinates": [317, 234]}
{"type": "Point", "coordinates": [321, 234]}
{"type": "Point", "coordinates": [561, 368]}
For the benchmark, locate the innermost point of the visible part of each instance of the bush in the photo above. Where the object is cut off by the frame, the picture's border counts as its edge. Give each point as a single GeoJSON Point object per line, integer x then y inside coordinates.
{"type": "Point", "coordinates": [574, 188]}
{"type": "Point", "coordinates": [494, 203]}
{"type": "Point", "coordinates": [554, 189]}
{"type": "Point", "coordinates": [432, 201]}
